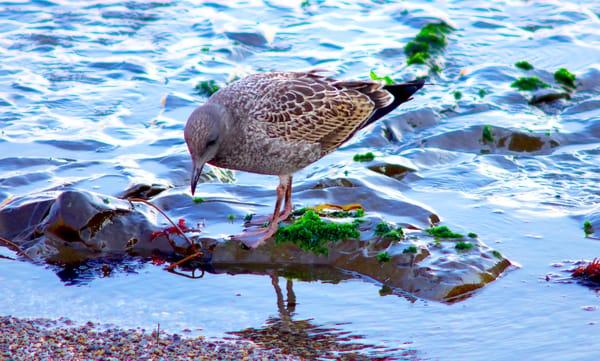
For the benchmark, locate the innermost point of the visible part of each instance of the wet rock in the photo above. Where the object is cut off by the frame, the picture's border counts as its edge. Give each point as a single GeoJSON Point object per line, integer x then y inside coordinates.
{"type": "Point", "coordinates": [73, 226]}
{"type": "Point", "coordinates": [248, 38]}
{"type": "Point", "coordinates": [395, 167]}
{"type": "Point", "coordinates": [144, 191]}
{"type": "Point", "coordinates": [548, 96]}
{"type": "Point", "coordinates": [435, 270]}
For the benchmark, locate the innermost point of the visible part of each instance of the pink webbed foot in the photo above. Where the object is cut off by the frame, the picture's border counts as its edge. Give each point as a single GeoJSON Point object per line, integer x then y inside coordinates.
{"type": "Point", "coordinates": [255, 238]}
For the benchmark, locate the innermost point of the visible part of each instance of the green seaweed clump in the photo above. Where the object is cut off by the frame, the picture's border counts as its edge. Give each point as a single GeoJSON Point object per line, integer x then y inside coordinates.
{"type": "Point", "coordinates": [443, 232]}
{"type": "Point", "coordinates": [197, 199]}
{"type": "Point", "coordinates": [430, 39]}
{"type": "Point", "coordinates": [417, 58]}
{"type": "Point", "coordinates": [482, 93]}
{"type": "Point", "coordinates": [387, 79]}
{"type": "Point", "coordinates": [457, 95]}
{"type": "Point", "coordinates": [486, 134]}
{"type": "Point", "coordinates": [231, 218]}
{"type": "Point", "coordinates": [565, 77]}
{"type": "Point", "coordinates": [207, 87]}
{"type": "Point", "coordinates": [497, 254]}
{"type": "Point", "coordinates": [311, 233]}
{"type": "Point", "coordinates": [366, 157]}
{"type": "Point", "coordinates": [524, 65]}
{"type": "Point", "coordinates": [434, 34]}
{"type": "Point", "coordinates": [472, 235]}
{"type": "Point", "coordinates": [530, 83]}
{"type": "Point", "coordinates": [383, 257]}
{"type": "Point", "coordinates": [464, 246]}
{"type": "Point", "coordinates": [386, 231]}
{"type": "Point", "coordinates": [248, 217]}
{"type": "Point", "coordinates": [410, 249]}
{"type": "Point", "coordinates": [587, 228]}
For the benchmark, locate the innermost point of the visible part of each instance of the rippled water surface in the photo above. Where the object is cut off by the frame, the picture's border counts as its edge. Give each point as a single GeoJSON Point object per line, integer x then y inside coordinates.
{"type": "Point", "coordinates": [94, 95]}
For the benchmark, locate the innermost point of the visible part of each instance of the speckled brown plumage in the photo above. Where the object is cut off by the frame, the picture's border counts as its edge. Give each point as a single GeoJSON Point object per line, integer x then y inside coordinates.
{"type": "Point", "coordinates": [305, 107]}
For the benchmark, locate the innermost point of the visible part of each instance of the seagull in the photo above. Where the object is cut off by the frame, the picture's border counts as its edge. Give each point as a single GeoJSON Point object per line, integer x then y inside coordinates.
{"type": "Point", "coordinates": [277, 123]}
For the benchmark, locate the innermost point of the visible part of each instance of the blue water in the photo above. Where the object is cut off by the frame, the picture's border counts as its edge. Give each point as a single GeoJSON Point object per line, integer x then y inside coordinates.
{"type": "Point", "coordinates": [94, 95]}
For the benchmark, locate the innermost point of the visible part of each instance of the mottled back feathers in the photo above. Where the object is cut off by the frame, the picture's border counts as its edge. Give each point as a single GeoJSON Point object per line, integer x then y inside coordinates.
{"type": "Point", "coordinates": [304, 107]}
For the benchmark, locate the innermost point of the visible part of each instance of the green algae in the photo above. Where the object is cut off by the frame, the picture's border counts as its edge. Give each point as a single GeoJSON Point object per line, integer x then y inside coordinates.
{"type": "Point", "coordinates": [207, 87]}
{"type": "Point", "coordinates": [248, 217]}
{"type": "Point", "coordinates": [482, 93]}
{"type": "Point", "coordinates": [231, 218]}
{"type": "Point", "coordinates": [443, 232]}
{"type": "Point", "coordinates": [417, 58]}
{"type": "Point", "coordinates": [434, 34]}
{"type": "Point", "coordinates": [565, 77]}
{"type": "Point", "coordinates": [355, 213]}
{"type": "Point", "coordinates": [486, 134]}
{"type": "Point", "coordinates": [530, 83]}
{"type": "Point", "coordinates": [497, 254]}
{"type": "Point", "coordinates": [387, 79]}
{"type": "Point", "coordinates": [457, 95]}
{"type": "Point", "coordinates": [464, 246]}
{"type": "Point", "coordinates": [312, 234]}
{"type": "Point", "coordinates": [365, 157]}
{"type": "Point", "coordinates": [414, 47]}
{"type": "Point", "coordinates": [587, 228]}
{"type": "Point", "coordinates": [383, 257]}
{"type": "Point", "coordinates": [386, 231]}
{"type": "Point", "coordinates": [410, 249]}
{"type": "Point", "coordinates": [197, 199]}
{"type": "Point", "coordinates": [429, 40]}
{"type": "Point", "coordinates": [524, 65]}
{"type": "Point", "coordinates": [472, 235]}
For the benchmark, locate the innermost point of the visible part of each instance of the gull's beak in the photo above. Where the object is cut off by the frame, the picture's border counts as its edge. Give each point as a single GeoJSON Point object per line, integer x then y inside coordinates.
{"type": "Point", "coordinates": [196, 172]}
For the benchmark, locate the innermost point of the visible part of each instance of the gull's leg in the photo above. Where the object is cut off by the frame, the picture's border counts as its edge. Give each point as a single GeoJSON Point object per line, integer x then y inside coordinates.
{"type": "Point", "coordinates": [254, 239]}
{"type": "Point", "coordinates": [288, 206]}
{"type": "Point", "coordinates": [286, 181]}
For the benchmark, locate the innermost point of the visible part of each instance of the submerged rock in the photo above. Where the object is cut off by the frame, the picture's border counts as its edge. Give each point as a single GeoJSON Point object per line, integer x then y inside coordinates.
{"type": "Point", "coordinates": [76, 226]}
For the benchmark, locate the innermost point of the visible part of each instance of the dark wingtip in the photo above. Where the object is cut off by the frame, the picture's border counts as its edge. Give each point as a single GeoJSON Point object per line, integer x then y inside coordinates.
{"type": "Point", "coordinates": [402, 93]}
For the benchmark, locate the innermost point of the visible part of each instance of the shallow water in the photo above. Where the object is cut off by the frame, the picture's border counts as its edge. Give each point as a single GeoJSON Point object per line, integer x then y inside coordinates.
{"type": "Point", "coordinates": [95, 96]}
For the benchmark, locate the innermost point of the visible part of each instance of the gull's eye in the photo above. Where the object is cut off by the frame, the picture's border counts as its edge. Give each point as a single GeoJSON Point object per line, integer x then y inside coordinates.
{"type": "Point", "coordinates": [211, 142]}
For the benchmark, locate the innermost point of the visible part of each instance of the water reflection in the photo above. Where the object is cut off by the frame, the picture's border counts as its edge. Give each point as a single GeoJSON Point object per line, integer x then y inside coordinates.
{"type": "Point", "coordinates": [306, 339]}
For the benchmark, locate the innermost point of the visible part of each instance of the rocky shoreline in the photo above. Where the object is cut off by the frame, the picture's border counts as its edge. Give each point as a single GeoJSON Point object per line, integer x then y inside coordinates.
{"type": "Point", "coordinates": [46, 340]}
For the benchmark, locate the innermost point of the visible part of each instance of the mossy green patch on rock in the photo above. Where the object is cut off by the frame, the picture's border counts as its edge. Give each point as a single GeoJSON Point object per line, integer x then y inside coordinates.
{"type": "Point", "coordinates": [524, 65]}
{"type": "Point", "coordinates": [311, 233]}
{"type": "Point", "coordinates": [383, 257]}
{"type": "Point", "coordinates": [486, 134]}
{"type": "Point", "coordinates": [530, 83]}
{"type": "Point", "coordinates": [587, 228]}
{"type": "Point", "coordinates": [565, 77]}
{"type": "Point", "coordinates": [443, 232]}
{"type": "Point", "coordinates": [464, 246]}
{"type": "Point", "coordinates": [411, 249]}
{"type": "Point", "coordinates": [366, 157]}
{"type": "Point", "coordinates": [387, 231]}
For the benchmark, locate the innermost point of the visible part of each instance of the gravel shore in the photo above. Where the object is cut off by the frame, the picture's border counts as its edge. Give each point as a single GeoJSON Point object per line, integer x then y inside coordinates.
{"type": "Point", "coordinates": [49, 340]}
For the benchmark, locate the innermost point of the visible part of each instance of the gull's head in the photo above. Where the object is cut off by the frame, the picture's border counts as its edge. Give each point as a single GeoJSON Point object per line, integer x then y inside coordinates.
{"type": "Point", "coordinates": [204, 132]}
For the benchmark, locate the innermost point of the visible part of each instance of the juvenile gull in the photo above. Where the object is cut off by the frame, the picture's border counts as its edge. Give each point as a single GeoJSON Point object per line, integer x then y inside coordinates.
{"type": "Point", "coordinates": [278, 123]}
